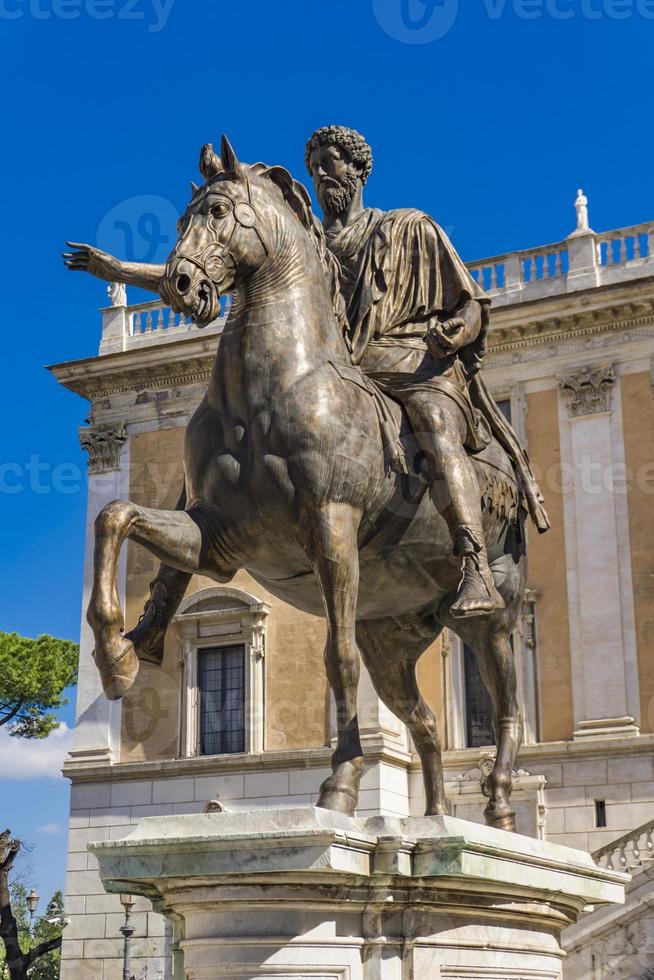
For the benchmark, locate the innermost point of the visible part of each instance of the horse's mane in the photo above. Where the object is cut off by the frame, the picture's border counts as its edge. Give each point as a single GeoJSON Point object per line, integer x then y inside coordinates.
{"type": "Point", "coordinates": [296, 196]}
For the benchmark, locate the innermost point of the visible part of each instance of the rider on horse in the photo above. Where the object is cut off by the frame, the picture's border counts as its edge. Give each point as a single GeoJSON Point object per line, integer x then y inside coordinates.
{"type": "Point", "coordinates": [417, 326]}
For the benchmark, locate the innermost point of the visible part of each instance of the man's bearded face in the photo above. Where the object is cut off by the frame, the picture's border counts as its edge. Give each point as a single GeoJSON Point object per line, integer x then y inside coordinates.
{"type": "Point", "coordinates": [335, 178]}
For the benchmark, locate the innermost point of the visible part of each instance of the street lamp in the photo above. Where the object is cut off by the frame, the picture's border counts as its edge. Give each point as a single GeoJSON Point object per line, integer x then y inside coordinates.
{"type": "Point", "coordinates": [54, 916]}
{"type": "Point", "coordinates": [127, 929]}
{"type": "Point", "coordinates": [32, 902]}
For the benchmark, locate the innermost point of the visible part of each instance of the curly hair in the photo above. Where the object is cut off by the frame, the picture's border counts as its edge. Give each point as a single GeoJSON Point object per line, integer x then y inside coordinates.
{"type": "Point", "coordinates": [346, 139]}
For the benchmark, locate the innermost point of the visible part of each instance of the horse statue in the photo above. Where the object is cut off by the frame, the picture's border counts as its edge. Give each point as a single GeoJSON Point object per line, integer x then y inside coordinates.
{"type": "Point", "coordinates": [285, 476]}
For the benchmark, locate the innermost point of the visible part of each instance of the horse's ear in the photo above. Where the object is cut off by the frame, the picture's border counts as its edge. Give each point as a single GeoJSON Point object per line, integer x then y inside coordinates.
{"type": "Point", "coordinates": [210, 163]}
{"type": "Point", "coordinates": [229, 159]}
{"type": "Point", "coordinates": [194, 188]}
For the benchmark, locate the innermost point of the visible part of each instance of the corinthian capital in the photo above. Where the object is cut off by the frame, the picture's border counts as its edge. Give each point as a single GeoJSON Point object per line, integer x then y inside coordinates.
{"type": "Point", "coordinates": [590, 390]}
{"type": "Point", "coordinates": [103, 443]}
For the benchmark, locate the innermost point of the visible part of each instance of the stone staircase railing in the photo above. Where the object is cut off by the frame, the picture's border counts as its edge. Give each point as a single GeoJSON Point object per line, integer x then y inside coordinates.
{"type": "Point", "coordinates": [632, 852]}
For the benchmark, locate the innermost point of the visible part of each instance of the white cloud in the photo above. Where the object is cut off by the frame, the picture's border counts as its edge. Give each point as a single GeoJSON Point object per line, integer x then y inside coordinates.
{"type": "Point", "coordinates": [23, 758]}
{"type": "Point", "coordinates": [49, 828]}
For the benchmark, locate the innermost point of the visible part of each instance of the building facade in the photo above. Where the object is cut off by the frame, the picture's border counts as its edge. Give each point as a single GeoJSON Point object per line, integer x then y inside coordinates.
{"type": "Point", "coordinates": [571, 362]}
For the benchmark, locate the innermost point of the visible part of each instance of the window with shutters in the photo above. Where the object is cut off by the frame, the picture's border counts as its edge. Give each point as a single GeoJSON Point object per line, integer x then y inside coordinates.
{"type": "Point", "coordinates": [223, 634]}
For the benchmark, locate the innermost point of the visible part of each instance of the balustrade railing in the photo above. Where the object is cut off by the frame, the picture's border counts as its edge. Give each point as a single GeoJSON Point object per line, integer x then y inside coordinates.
{"type": "Point", "coordinates": [148, 318]}
{"type": "Point", "coordinates": [619, 248]}
{"type": "Point", "coordinates": [127, 327]}
{"type": "Point", "coordinates": [582, 261]}
{"type": "Point", "coordinates": [515, 270]}
{"type": "Point", "coordinates": [631, 852]}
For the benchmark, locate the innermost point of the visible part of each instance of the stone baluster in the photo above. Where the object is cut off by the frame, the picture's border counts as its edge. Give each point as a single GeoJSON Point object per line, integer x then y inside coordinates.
{"type": "Point", "coordinates": [636, 848]}
{"type": "Point", "coordinates": [621, 251]}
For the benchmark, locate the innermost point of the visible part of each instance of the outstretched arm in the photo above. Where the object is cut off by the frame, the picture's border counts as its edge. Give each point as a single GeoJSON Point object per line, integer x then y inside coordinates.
{"type": "Point", "coordinates": [104, 266]}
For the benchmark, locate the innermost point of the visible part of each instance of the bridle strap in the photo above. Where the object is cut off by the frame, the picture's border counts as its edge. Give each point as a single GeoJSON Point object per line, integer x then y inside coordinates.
{"type": "Point", "coordinates": [221, 251]}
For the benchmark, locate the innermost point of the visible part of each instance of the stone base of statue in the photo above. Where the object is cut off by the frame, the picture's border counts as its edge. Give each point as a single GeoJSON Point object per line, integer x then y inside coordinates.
{"type": "Point", "coordinates": [307, 893]}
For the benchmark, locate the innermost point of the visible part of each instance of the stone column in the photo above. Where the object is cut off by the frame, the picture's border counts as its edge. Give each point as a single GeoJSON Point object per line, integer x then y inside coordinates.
{"type": "Point", "coordinates": [97, 731]}
{"type": "Point", "coordinates": [602, 627]}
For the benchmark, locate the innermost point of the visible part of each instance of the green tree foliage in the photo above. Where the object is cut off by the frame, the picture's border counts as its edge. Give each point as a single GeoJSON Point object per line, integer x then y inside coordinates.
{"type": "Point", "coordinates": [33, 677]}
{"type": "Point", "coordinates": [46, 967]}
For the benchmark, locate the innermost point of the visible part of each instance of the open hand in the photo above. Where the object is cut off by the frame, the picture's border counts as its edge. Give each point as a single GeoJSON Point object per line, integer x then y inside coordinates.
{"type": "Point", "coordinates": [92, 260]}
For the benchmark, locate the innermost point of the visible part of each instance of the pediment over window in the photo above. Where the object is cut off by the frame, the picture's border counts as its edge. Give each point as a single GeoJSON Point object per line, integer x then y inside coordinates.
{"type": "Point", "coordinates": [221, 600]}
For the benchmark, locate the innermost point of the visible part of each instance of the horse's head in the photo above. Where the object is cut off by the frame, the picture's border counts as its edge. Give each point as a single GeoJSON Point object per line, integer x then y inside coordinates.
{"type": "Point", "coordinates": [221, 238]}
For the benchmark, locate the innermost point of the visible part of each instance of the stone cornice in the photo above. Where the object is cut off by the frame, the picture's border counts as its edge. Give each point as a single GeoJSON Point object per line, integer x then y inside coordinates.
{"type": "Point", "coordinates": [571, 318]}
{"type": "Point", "coordinates": [177, 364]}
{"type": "Point", "coordinates": [377, 749]}
{"type": "Point", "coordinates": [527, 329]}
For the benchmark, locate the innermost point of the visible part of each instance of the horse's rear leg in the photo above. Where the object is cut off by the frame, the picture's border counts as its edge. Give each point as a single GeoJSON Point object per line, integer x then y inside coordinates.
{"type": "Point", "coordinates": [488, 637]}
{"type": "Point", "coordinates": [329, 535]}
{"type": "Point", "coordinates": [390, 650]}
{"type": "Point", "coordinates": [171, 535]}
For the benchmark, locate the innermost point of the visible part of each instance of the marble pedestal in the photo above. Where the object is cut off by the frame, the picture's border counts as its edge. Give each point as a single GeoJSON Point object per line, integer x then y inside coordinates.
{"type": "Point", "coordinates": [307, 893]}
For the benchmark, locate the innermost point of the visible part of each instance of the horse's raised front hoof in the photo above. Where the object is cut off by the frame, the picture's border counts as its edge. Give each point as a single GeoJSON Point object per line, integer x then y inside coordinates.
{"type": "Point", "coordinates": [500, 817]}
{"type": "Point", "coordinates": [340, 791]}
{"type": "Point", "coordinates": [119, 674]}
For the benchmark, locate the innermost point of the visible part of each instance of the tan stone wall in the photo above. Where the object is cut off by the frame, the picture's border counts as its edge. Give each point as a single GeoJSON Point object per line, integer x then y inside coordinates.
{"type": "Point", "coordinates": [430, 682]}
{"type": "Point", "coordinates": [547, 572]}
{"type": "Point", "coordinates": [638, 415]}
{"type": "Point", "coordinates": [297, 708]}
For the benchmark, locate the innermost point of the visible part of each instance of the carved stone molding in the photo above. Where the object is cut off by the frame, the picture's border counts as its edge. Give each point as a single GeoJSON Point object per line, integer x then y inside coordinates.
{"type": "Point", "coordinates": [590, 390]}
{"type": "Point", "coordinates": [103, 443]}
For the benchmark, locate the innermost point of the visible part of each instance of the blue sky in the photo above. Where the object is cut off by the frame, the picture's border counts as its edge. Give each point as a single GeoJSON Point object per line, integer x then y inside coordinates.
{"type": "Point", "coordinates": [490, 125]}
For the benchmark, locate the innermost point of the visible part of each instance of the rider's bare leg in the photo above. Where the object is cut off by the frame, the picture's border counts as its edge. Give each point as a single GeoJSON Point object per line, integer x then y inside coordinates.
{"type": "Point", "coordinates": [440, 429]}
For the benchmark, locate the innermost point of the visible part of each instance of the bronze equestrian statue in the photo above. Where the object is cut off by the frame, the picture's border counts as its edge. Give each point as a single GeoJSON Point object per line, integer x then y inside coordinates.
{"type": "Point", "coordinates": [301, 471]}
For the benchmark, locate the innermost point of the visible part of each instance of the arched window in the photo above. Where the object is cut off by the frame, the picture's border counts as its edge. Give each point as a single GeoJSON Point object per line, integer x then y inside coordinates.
{"type": "Point", "coordinates": [223, 634]}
